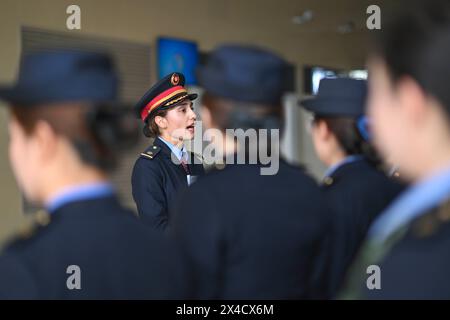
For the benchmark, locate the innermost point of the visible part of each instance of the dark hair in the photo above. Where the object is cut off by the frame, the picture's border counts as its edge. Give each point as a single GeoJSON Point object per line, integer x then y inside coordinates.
{"type": "Point", "coordinates": [228, 114]}
{"type": "Point", "coordinates": [349, 137]}
{"type": "Point", "coordinates": [95, 131]}
{"type": "Point", "coordinates": [416, 43]}
{"type": "Point", "coordinates": [151, 129]}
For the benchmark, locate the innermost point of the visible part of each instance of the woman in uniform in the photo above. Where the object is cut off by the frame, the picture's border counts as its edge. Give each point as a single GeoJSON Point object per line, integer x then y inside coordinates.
{"type": "Point", "coordinates": [165, 166]}
{"type": "Point", "coordinates": [355, 185]}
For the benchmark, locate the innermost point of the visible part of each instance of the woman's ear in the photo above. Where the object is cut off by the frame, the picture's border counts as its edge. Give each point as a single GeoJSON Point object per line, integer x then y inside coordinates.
{"type": "Point", "coordinates": [412, 100]}
{"type": "Point", "coordinates": [46, 139]}
{"type": "Point", "coordinates": [322, 130]}
{"type": "Point", "coordinates": [161, 122]}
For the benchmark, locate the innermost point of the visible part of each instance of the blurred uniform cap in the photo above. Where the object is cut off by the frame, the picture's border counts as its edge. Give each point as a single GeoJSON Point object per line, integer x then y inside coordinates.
{"type": "Point", "coordinates": [49, 77]}
{"type": "Point", "coordinates": [338, 97]}
{"type": "Point", "coordinates": [244, 73]}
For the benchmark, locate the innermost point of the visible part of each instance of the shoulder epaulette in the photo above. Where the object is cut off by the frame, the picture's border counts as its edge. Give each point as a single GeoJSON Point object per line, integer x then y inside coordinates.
{"type": "Point", "coordinates": [151, 152]}
{"type": "Point", "coordinates": [26, 231]}
{"type": "Point", "coordinates": [429, 223]}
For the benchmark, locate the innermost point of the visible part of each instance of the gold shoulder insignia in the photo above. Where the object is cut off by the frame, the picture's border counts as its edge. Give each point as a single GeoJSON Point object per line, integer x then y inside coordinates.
{"type": "Point", "coordinates": [42, 218]}
{"type": "Point", "coordinates": [426, 226]}
{"type": "Point", "coordinates": [328, 181]}
{"type": "Point", "coordinates": [443, 212]}
{"type": "Point", "coordinates": [151, 152]}
{"type": "Point", "coordinates": [147, 155]}
{"type": "Point", "coordinates": [429, 224]}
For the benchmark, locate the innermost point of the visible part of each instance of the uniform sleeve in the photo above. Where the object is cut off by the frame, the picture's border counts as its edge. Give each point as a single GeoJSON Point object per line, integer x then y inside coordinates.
{"type": "Point", "coordinates": [148, 194]}
{"type": "Point", "coordinates": [16, 281]}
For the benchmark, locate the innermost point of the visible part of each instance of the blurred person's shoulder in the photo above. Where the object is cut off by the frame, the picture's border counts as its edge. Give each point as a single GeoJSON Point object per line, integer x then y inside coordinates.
{"type": "Point", "coordinates": [434, 225]}
{"type": "Point", "coordinates": [16, 267]}
{"type": "Point", "coordinates": [28, 233]}
{"type": "Point", "coordinates": [85, 222]}
{"type": "Point", "coordinates": [280, 168]}
{"type": "Point", "coordinates": [241, 179]}
{"type": "Point", "coordinates": [362, 177]}
{"type": "Point", "coordinates": [424, 250]}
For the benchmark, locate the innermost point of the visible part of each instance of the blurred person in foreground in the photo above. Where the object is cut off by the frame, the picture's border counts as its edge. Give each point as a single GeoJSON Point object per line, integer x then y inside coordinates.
{"type": "Point", "coordinates": [64, 125]}
{"type": "Point", "coordinates": [355, 185]}
{"type": "Point", "coordinates": [409, 104]}
{"type": "Point", "coordinates": [253, 227]}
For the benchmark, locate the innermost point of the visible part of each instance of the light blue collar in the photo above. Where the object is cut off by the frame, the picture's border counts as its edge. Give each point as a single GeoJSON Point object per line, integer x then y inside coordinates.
{"type": "Point", "coordinates": [175, 150]}
{"type": "Point", "coordinates": [348, 159]}
{"type": "Point", "coordinates": [79, 193]}
{"type": "Point", "coordinates": [414, 202]}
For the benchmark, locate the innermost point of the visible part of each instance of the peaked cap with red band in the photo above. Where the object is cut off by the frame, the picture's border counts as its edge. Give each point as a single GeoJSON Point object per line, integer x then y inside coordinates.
{"type": "Point", "coordinates": [166, 93]}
